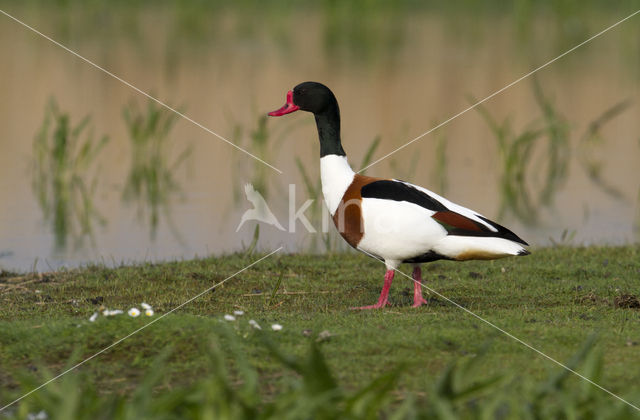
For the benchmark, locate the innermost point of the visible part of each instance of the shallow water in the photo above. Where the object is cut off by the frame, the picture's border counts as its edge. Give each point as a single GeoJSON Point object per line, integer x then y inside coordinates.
{"type": "Point", "coordinates": [429, 77]}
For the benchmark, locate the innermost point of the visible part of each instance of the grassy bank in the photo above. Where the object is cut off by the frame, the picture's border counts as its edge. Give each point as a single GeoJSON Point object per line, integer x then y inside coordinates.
{"type": "Point", "coordinates": [555, 300]}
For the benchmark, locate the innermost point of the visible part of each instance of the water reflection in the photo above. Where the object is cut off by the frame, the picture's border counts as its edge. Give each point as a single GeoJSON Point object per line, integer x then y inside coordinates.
{"type": "Point", "coordinates": [398, 70]}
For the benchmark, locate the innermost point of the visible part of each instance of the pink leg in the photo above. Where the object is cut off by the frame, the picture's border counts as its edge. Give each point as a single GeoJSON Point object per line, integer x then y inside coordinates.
{"type": "Point", "coordinates": [384, 295]}
{"type": "Point", "coordinates": [418, 300]}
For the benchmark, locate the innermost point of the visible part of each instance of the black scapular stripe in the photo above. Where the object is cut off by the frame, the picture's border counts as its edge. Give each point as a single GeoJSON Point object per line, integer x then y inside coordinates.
{"type": "Point", "coordinates": [399, 191]}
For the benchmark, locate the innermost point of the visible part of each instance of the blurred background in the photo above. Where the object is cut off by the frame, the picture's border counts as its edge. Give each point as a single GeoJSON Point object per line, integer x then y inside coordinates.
{"type": "Point", "coordinates": [92, 171]}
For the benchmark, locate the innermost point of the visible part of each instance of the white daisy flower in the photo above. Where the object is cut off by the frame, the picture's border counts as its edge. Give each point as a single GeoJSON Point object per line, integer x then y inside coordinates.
{"type": "Point", "coordinates": [238, 313]}
{"type": "Point", "coordinates": [276, 327]}
{"type": "Point", "coordinates": [134, 312]}
{"type": "Point", "coordinates": [254, 324]}
{"type": "Point", "coordinates": [148, 312]}
{"type": "Point", "coordinates": [93, 317]}
{"type": "Point", "coordinates": [229, 317]}
{"type": "Point", "coordinates": [145, 305]}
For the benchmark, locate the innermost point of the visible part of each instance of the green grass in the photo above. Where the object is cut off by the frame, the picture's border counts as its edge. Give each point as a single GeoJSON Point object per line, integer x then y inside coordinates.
{"type": "Point", "coordinates": [554, 299]}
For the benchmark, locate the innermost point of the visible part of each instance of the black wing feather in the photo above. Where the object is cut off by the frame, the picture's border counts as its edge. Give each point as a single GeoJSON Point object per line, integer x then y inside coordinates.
{"type": "Point", "coordinates": [399, 191]}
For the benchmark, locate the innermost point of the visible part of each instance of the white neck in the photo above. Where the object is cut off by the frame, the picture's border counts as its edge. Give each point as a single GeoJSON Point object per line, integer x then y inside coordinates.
{"type": "Point", "coordinates": [336, 175]}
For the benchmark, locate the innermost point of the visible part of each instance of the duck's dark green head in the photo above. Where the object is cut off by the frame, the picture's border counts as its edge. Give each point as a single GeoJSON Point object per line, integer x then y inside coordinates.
{"type": "Point", "coordinates": [313, 97]}
{"type": "Point", "coordinates": [318, 99]}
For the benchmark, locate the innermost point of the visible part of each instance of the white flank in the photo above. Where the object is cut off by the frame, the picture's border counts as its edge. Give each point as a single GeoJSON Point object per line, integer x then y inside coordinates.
{"type": "Point", "coordinates": [336, 175]}
{"type": "Point", "coordinates": [485, 247]}
{"type": "Point", "coordinates": [398, 230]}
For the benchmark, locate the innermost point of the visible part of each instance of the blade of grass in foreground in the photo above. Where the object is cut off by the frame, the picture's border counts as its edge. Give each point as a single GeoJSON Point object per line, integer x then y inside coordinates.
{"type": "Point", "coordinates": [232, 388]}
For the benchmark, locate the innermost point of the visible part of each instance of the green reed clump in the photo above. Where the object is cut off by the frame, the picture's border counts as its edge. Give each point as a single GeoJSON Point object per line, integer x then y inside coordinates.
{"type": "Point", "coordinates": [514, 151]}
{"type": "Point", "coordinates": [64, 177]}
{"type": "Point", "coordinates": [637, 221]}
{"type": "Point", "coordinates": [548, 137]}
{"type": "Point", "coordinates": [363, 29]}
{"type": "Point", "coordinates": [400, 168]}
{"type": "Point", "coordinates": [555, 128]}
{"type": "Point", "coordinates": [259, 140]}
{"type": "Point", "coordinates": [150, 182]}
{"type": "Point", "coordinates": [314, 192]}
{"type": "Point", "coordinates": [636, 226]}
{"type": "Point", "coordinates": [259, 144]}
{"type": "Point", "coordinates": [233, 388]}
{"type": "Point", "coordinates": [440, 168]}
{"type": "Point", "coordinates": [359, 31]}
{"type": "Point", "coordinates": [590, 143]}
{"type": "Point", "coordinates": [368, 155]}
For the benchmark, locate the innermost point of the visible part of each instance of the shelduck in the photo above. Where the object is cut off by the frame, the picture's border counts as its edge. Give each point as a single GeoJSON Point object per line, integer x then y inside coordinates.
{"type": "Point", "coordinates": [389, 219]}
